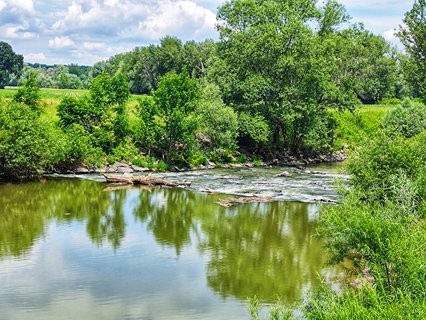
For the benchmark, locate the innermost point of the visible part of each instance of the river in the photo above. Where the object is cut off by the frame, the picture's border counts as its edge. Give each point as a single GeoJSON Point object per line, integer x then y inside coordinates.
{"type": "Point", "coordinates": [77, 248]}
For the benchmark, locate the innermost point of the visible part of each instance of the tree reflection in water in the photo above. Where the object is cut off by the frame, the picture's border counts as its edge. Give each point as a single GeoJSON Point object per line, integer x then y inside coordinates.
{"type": "Point", "coordinates": [263, 249]}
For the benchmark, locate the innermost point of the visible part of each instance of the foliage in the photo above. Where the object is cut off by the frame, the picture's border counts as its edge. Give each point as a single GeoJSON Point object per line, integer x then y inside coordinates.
{"type": "Point", "coordinates": [217, 122]}
{"type": "Point", "coordinates": [145, 66]}
{"type": "Point", "coordinates": [273, 64]}
{"type": "Point", "coordinates": [355, 127]}
{"type": "Point", "coordinates": [79, 147]}
{"type": "Point", "coordinates": [413, 36]}
{"type": "Point", "coordinates": [102, 113]}
{"type": "Point", "coordinates": [409, 119]}
{"type": "Point", "coordinates": [147, 132]}
{"type": "Point", "coordinates": [253, 127]}
{"type": "Point", "coordinates": [363, 304]}
{"type": "Point", "coordinates": [176, 99]}
{"type": "Point", "coordinates": [29, 93]}
{"type": "Point", "coordinates": [57, 76]}
{"type": "Point", "coordinates": [27, 143]}
{"type": "Point", "coordinates": [10, 63]}
{"type": "Point", "coordinates": [379, 163]}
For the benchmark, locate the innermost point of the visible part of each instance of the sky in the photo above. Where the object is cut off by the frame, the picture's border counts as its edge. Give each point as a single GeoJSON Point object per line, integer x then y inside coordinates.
{"type": "Point", "coordinates": [88, 31]}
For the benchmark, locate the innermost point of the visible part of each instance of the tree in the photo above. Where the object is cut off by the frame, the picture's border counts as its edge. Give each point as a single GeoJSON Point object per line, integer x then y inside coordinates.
{"type": "Point", "coordinates": [176, 99]}
{"type": "Point", "coordinates": [217, 122]}
{"type": "Point", "coordinates": [10, 63]}
{"type": "Point", "coordinates": [413, 36]}
{"type": "Point", "coordinates": [270, 63]}
{"type": "Point", "coordinates": [102, 113]}
{"type": "Point", "coordinates": [29, 93]}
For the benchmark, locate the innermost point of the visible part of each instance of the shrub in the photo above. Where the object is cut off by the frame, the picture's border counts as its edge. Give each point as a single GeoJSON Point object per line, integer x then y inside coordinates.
{"type": "Point", "coordinates": [254, 127]}
{"type": "Point", "coordinates": [28, 144]}
{"type": "Point", "coordinates": [376, 166]}
{"type": "Point", "coordinates": [217, 122]}
{"type": "Point", "coordinates": [408, 119]}
{"type": "Point", "coordinates": [29, 93]}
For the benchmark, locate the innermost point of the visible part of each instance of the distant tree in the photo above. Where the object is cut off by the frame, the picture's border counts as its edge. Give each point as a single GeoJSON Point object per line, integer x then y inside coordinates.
{"type": "Point", "coordinates": [10, 63]}
{"type": "Point", "coordinates": [413, 35]}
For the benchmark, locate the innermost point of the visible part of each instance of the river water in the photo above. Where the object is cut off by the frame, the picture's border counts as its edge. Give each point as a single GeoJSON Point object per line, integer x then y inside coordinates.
{"type": "Point", "coordinates": [79, 249]}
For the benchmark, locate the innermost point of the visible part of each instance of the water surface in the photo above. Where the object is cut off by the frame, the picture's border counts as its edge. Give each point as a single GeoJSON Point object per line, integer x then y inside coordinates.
{"type": "Point", "coordinates": [77, 249]}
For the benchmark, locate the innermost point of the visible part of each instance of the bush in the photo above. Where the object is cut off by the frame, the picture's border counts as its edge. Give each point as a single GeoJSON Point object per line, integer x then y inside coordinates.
{"type": "Point", "coordinates": [254, 127]}
{"type": "Point", "coordinates": [29, 93]}
{"type": "Point", "coordinates": [217, 122]}
{"type": "Point", "coordinates": [379, 163]}
{"type": "Point", "coordinates": [28, 144]}
{"type": "Point", "coordinates": [80, 148]}
{"type": "Point", "coordinates": [408, 119]}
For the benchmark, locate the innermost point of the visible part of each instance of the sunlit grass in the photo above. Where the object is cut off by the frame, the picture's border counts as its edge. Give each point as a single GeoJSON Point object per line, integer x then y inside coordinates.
{"type": "Point", "coordinates": [50, 99]}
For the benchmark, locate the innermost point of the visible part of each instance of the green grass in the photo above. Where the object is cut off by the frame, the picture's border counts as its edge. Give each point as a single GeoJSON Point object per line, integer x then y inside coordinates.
{"type": "Point", "coordinates": [50, 99]}
{"type": "Point", "coordinates": [363, 123]}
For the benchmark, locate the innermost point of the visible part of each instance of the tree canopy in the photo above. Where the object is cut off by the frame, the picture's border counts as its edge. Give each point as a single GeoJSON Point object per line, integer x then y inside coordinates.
{"type": "Point", "coordinates": [413, 35]}
{"type": "Point", "coordinates": [10, 63]}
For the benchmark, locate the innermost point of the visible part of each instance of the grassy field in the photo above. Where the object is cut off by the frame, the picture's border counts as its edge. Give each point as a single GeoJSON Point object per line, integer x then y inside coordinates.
{"type": "Point", "coordinates": [50, 99]}
{"type": "Point", "coordinates": [354, 127]}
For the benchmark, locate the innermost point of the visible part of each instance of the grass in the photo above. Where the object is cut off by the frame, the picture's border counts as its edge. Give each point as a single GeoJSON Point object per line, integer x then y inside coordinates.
{"type": "Point", "coordinates": [363, 123]}
{"type": "Point", "coordinates": [50, 99]}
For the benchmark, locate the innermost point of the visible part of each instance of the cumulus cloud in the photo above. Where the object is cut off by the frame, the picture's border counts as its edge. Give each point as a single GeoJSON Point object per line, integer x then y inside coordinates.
{"type": "Point", "coordinates": [35, 57]}
{"type": "Point", "coordinates": [61, 42]}
{"type": "Point", "coordinates": [94, 46]}
{"type": "Point", "coordinates": [16, 32]}
{"type": "Point", "coordinates": [130, 19]}
{"type": "Point", "coordinates": [172, 17]}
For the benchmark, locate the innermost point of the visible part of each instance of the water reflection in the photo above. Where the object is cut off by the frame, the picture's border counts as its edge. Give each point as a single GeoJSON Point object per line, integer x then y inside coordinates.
{"type": "Point", "coordinates": [263, 249]}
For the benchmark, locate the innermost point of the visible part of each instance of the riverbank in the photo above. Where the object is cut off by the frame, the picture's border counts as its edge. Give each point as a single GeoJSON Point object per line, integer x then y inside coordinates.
{"type": "Point", "coordinates": [128, 168]}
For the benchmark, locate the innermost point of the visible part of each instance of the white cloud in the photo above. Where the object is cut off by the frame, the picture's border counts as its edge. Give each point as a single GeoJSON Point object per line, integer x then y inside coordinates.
{"type": "Point", "coordinates": [131, 19]}
{"type": "Point", "coordinates": [26, 5]}
{"type": "Point", "coordinates": [35, 57]}
{"type": "Point", "coordinates": [94, 46]}
{"type": "Point", "coordinates": [61, 42]}
{"type": "Point", "coordinates": [172, 17]}
{"type": "Point", "coordinates": [16, 32]}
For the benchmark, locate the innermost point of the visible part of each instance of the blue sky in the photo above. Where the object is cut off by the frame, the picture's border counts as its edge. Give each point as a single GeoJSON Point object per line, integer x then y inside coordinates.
{"type": "Point", "coordinates": [87, 31]}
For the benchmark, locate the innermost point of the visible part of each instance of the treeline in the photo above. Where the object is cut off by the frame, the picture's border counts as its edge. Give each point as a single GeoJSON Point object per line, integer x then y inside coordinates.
{"type": "Point", "coordinates": [71, 76]}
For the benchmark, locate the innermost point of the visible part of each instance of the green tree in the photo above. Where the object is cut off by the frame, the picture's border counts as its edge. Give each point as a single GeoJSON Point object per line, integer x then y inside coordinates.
{"type": "Point", "coordinates": [28, 144]}
{"type": "Point", "coordinates": [10, 63]}
{"type": "Point", "coordinates": [29, 93]}
{"type": "Point", "coordinates": [176, 99]}
{"type": "Point", "coordinates": [102, 113]}
{"type": "Point", "coordinates": [270, 65]}
{"type": "Point", "coordinates": [218, 122]}
{"type": "Point", "coordinates": [413, 36]}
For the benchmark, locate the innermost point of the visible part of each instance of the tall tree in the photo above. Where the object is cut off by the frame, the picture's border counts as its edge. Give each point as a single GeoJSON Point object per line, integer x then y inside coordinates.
{"type": "Point", "coordinates": [413, 35]}
{"type": "Point", "coordinates": [10, 63]}
{"type": "Point", "coordinates": [270, 63]}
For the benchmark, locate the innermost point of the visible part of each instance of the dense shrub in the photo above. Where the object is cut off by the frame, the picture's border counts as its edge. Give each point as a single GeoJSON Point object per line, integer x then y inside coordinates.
{"type": "Point", "coordinates": [28, 144]}
{"type": "Point", "coordinates": [217, 122]}
{"type": "Point", "coordinates": [29, 93]}
{"type": "Point", "coordinates": [377, 166]}
{"type": "Point", "coordinates": [408, 119]}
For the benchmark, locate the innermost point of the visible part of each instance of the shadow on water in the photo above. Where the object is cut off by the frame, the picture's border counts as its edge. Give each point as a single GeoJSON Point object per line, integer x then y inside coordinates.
{"type": "Point", "coordinates": [263, 249]}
